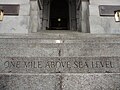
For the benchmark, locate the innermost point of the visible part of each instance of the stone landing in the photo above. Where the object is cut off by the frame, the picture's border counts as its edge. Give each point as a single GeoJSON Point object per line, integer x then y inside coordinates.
{"type": "Point", "coordinates": [59, 60]}
{"type": "Point", "coordinates": [84, 81]}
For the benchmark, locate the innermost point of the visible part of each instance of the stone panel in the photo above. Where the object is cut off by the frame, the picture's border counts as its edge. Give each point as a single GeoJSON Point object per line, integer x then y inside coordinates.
{"type": "Point", "coordinates": [94, 10]}
{"type": "Point", "coordinates": [24, 10]}
{"type": "Point", "coordinates": [105, 2]}
{"type": "Point", "coordinates": [60, 81]}
{"type": "Point", "coordinates": [64, 50]}
{"type": "Point", "coordinates": [100, 24]}
{"type": "Point", "coordinates": [14, 1]}
{"type": "Point", "coordinates": [104, 25]}
{"type": "Point", "coordinates": [14, 24]}
{"type": "Point", "coordinates": [60, 65]}
{"type": "Point", "coordinates": [28, 82]}
{"type": "Point", "coordinates": [91, 82]}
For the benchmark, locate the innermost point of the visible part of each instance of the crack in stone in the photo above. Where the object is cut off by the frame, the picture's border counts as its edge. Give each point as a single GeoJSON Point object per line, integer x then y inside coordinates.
{"type": "Point", "coordinates": [59, 53]}
{"type": "Point", "coordinates": [59, 83]}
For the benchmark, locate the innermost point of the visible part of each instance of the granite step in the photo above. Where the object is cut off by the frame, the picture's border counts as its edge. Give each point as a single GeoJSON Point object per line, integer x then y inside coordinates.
{"type": "Point", "coordinates": [59, 64]}
{"type": "Point", "coordinates": [66, 35]}
{"type": "Point", "coordinates": [61, 40]}
{"type": "Point", "coordinates": [68, 44]}
{"type": "Point", "coordinates": [98, 81]}
{"type": "Point", "coordinates": [64, 38]}
{"type": "Point", "coordinates": [59, 49]}
{"type": "Point", "coordinates": [59, 61]}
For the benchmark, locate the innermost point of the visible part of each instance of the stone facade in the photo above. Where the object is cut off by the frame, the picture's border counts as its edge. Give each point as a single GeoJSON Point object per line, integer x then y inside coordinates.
{"type": "Point", "coordinates": [16, 24]}
{"type": "Point", "coordinates": [84, 17]}
{"type": "Point", "coordinates": [59, 61]}
{"type": "Point", "coordinates": [99, 24]}
{"type": "Point", "coordinates": [36, 16]}
{"type": "Point", "coordinates": [33, 58]}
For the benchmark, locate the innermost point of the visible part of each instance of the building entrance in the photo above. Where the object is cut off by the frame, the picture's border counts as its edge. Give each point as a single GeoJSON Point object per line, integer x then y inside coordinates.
{"type": "Point", "coordinates": [59, 15]}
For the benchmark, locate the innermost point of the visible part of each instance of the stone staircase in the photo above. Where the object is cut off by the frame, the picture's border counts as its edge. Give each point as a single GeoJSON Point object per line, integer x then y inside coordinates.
{"type": "Point", "coordinates": [59, 60]}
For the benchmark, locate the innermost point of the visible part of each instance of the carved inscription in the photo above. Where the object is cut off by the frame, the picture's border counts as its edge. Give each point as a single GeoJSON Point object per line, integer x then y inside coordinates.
{"type": "Point", "coordinates": [58, 64]}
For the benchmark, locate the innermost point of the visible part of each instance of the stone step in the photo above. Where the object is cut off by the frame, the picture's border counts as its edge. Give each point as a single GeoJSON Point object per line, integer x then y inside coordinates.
{"type": "Point", "coordinates": [61, 40]}
{"type": "Point", "coordinates": [59, 64]}
{"type": "Point", "coordinates": [66, 35]}
{"type": "Point", "coordinates": [43, 38]}
{"type": "Point", "coordinates": [59, 49]}
{"type": "Point", "coordinates": [98, 81]}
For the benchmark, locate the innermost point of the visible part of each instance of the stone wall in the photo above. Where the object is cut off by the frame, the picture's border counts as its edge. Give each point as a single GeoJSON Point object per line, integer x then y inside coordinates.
{"type": "Point", "coordinates": [36, 16]}
{"type": "Point", "coordinates": [82, 13]}
{"type": "Point", "coordinates": [45, 16]}
{"type": "Point", "coordinates": [33, 19]}
{"type": "Point", "coordinates": [16, 24]}
{"type": "Point", "coordinates": [99, 24]}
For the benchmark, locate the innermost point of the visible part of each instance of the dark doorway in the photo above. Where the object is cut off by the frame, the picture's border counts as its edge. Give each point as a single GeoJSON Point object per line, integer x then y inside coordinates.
{"type": "Point", "coordinates": [59, 15]}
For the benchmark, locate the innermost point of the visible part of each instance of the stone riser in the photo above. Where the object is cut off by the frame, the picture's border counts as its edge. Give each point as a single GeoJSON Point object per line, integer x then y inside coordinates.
{"type": "Point", "coordinates": [61, 35]}
{"type": "Point", "coordinates": [60, 81]}
{"type": "Point", "coordinates": [55, 50]}
{"type": "Point", "coordinates": [52, 38]}
{"type": "Point", "coordinates": [60, 65]}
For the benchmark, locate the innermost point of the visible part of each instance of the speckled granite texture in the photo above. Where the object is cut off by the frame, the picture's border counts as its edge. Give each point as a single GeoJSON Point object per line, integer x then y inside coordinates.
{"type": "Point", "coordinates": [60, 82]}
{"type": "Point", "coordinates": [64, 61]}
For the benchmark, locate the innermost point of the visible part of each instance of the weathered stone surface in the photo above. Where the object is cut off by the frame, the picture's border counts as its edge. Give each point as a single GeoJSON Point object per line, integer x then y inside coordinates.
{"type": "Point", "coordinates": [105, 2]}
{"type": "Point", "coordinates": [63, 35]}
{"type": "Point", "coordinates": [14, 1]}
{"type": "Point", "coordinates": [55, 49]}
{"type": "Point", "coordinates": [24, 10]}
{"type": "Point", "coordinates": [29, 50]}
{"type": "Point", "coordinates": [15, 24]}
{"type": "Point", "coordinates": [60, 65]}
{"type": "Point", "coordinates": [94, 10]}
{"type": "Point", "coordinates": [102, 24]}
{"type": "Point", "coordinates": [91, 49]}
{"type": "Point", "coordinates": [91, 82]}
{"type": "Point", "coordinates": [67, 35]}
{"type": "Point", "coordinates": [35, 16]}
{"type": "Point", "coordinates": [59, 81]}
{"type": "Point", "coordinates": [29, 82]}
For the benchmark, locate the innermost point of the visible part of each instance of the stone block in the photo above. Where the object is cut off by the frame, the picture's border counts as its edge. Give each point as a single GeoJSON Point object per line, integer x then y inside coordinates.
{"type": "Point", "coordinates": [99, 24]}
{"type": "Point", "coordinates": [34, 14]}
{"type": "Point", "coordinates": [95, 25]}
{"type": "Point", "coordinates": [29, 82]}
{"type": "Point", "coordinates": [24, 10]}
{"type": "Point", "coordinates": [14, 1]}
{"type": "Point", "coordinates": [90, 49]}
{"type": "Point", "coordinates": [15, 24]}
{"type": "Point", "coordinates": [60, 81]}
{"type": "Point", "coordinates": [94, 10]}
{"type": "Point", "coordinates": [105, 2]}
{"type": "Point", "coordinates": [95, 29]}
{"type": "Point", "coordinates": [59, 65]}
{"type": "Point", "coordinates": [27, 49]}
{"type": "Point", "coordinates": [34, 6]}
{"type": "Point", "coordinates": [114, 26]}
{"type": "Point", "coordinates": [91, 82]}
{"type": "Point", "coordinates": [64, 37]}
{"type": "Point", "coordinates": [105, 25]}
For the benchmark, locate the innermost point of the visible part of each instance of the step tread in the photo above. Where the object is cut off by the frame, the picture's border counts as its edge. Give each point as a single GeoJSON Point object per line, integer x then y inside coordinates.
{"type": "Point", "coordinates": [60, 82]}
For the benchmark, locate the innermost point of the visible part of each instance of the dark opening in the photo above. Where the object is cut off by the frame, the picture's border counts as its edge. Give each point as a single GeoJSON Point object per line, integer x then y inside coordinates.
{"type": "Point", "coordinates": [59, 15]}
